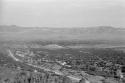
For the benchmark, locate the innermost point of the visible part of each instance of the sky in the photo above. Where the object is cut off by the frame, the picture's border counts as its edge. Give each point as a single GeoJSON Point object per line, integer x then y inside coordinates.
{"type": "Point", "coordinates": [63, 13]}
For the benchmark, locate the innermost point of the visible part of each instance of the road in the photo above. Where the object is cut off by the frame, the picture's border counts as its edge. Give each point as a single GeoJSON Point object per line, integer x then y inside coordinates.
{"type": "Point", "coordinates": [11, 55]}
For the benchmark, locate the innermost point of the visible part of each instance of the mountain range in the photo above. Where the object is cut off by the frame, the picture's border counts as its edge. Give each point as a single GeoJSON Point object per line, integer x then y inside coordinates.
{"type": "Point", "coordinates": [104, 33]}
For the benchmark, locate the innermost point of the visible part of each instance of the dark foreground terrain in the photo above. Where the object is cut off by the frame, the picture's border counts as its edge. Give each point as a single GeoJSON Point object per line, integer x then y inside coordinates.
{"type": "Point", "coordinates": [32, 62]}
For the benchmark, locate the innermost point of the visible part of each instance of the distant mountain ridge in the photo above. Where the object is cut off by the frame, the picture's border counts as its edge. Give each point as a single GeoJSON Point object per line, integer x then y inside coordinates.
{"type": "Point", "coordinates": [78, 33]}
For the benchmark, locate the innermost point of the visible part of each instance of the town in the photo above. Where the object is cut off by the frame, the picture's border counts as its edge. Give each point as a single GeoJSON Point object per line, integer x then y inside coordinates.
{"type": "Point", "coordinates": [41, 60]}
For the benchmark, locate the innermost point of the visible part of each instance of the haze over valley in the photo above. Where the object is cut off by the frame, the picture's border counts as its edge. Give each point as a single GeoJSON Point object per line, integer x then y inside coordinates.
{"type": "Point", "coordinates": [62, 41]}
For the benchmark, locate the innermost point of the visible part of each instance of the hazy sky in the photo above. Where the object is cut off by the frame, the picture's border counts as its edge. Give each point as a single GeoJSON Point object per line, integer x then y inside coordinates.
{"type": "Point", "coordinates": [63, 13]}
